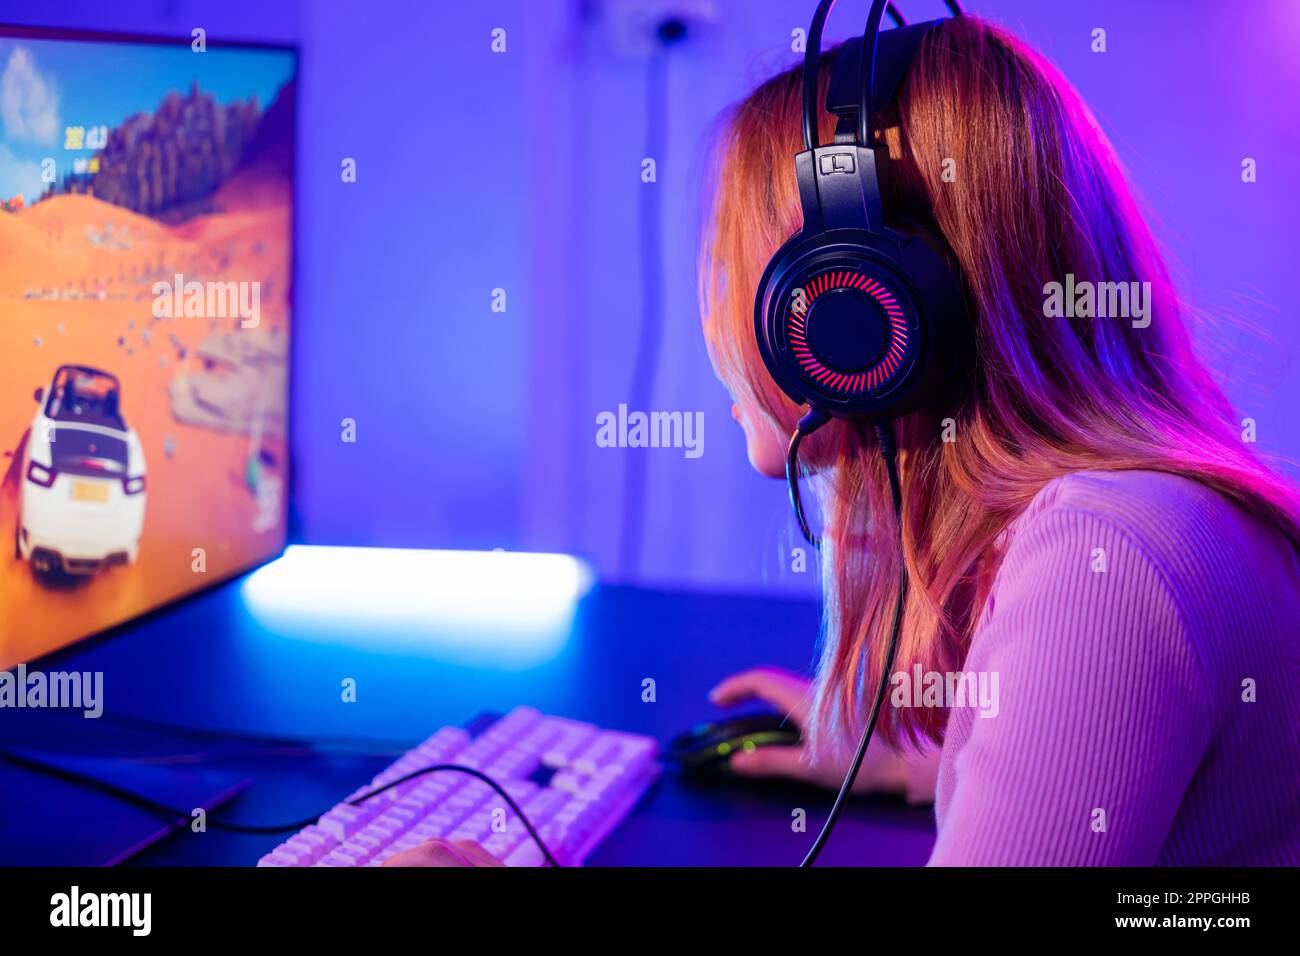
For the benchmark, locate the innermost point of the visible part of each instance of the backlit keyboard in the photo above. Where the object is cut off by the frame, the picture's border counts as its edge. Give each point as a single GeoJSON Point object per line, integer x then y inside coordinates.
{"type": "Point", "coordinates": [574, 782]}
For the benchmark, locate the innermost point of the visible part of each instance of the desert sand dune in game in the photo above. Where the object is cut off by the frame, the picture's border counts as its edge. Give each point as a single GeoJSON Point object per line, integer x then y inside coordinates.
{"type": "Point", "coordinates": [77, 279]}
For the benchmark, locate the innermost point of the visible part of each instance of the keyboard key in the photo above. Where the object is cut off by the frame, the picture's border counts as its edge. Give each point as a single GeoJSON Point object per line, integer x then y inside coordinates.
{"type": "Point", "coordinates": [343, 821]}
{"type": "Point", "coordinates": [526, 854]}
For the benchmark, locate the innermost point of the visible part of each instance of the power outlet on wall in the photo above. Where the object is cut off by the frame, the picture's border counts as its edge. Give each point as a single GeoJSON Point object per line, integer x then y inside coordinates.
{"type": "Point", "coordinates": [633, 29]}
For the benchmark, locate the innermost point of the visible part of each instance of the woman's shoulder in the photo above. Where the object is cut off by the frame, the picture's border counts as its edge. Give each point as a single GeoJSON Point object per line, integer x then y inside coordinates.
{"type": "Point", "coordinates": [1161, 511]}
{"type": "Point", "coordinates": [1133, 497]}
{"type": "Point", "coordinates": [1195, 540]}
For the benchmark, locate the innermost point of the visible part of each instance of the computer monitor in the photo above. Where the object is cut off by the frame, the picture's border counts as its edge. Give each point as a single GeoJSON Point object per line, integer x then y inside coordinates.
{"type": "Point", "coordinates": [146, 268]}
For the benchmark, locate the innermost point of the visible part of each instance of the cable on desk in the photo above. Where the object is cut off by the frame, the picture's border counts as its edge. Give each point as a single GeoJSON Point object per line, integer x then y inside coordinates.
{"type": "Point", "coordinates": [380, 748]}
{"type": "Point", "coordinates": [91, 782]}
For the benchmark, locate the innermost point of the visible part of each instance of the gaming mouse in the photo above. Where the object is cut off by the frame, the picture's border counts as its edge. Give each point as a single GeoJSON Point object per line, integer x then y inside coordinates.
{"type": "Point", "coordinates": [705, 747]}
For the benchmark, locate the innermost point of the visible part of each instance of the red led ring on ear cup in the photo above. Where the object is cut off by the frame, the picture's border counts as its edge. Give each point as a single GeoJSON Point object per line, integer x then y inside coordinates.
{"type": "Point", "coordinates": [847, 383]}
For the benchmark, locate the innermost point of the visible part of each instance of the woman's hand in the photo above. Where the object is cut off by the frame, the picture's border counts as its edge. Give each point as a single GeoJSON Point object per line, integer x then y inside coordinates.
{"type": "Point", "coordinates": [444, 853]}
{"type": "Point", "coordinates": [882, 770]}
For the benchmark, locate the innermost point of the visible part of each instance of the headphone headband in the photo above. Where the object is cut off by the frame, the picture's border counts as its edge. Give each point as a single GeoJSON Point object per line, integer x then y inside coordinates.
{"type": "Point", "coordinates": [866, 86]}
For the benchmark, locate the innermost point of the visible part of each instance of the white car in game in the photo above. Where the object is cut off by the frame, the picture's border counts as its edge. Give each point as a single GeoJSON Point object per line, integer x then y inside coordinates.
{"type": "Point", "coordinates": [81, 507]}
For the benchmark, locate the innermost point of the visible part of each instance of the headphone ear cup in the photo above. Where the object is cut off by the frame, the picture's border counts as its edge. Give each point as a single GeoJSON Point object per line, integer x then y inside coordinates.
{"type": "Point", "coordinates": [853, 321]}
{"type": "Point", "coordinates": [767, 323]}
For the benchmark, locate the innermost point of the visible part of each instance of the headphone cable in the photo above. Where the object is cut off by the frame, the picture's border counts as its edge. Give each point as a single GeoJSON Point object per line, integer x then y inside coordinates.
{"type": "Point", "coordinates": [889, 452]}
{"type": "Point", "coordinates": [813, 420]}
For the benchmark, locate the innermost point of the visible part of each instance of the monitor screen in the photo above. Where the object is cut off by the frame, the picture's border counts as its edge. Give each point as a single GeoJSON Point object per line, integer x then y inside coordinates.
{"type": "Point", "coordinates": [146, 225]}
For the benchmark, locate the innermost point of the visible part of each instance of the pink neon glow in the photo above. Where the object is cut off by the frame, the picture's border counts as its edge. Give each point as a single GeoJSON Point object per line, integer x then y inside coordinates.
{"type": "Point", "coordinates": [843, 381]}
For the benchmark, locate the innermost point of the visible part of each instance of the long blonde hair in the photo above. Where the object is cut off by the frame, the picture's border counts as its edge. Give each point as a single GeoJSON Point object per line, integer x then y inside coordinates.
{"type": "Point", "coordinates": [1037, 194]}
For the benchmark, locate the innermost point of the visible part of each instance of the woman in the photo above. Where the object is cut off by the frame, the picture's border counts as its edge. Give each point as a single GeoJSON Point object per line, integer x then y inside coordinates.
{"type": "Point", "coordinates": [1083, 525]}
{"type": "Point", "coordinates": [1084, 529]}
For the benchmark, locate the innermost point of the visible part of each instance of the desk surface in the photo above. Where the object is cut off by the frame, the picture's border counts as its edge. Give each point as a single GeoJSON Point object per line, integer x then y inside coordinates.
{"type": "Point", "coordinates": [210, 663]}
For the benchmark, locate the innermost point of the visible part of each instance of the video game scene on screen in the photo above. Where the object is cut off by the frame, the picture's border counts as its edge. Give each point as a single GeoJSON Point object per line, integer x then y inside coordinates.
{"type": "Point", "coordinates": [145, 247]}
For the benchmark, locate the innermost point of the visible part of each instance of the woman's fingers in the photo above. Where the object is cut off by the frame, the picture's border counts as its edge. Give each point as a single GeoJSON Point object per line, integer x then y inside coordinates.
{"type": "Point", "coordinates": [445, 853]}
{"type": "Point", "coordinates": [430, 853]}
{"type": "Point", "coordinates": [786, 692]}
{"type": "Point", "coordinates": [881, 770]}
{"type": "Point", "coordinates": [477, 855]}
{"type": "Point", "coordinates": [771, 762]}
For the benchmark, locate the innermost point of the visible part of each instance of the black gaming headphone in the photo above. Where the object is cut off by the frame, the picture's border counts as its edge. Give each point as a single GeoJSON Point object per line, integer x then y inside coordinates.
{"type": "Point", "coordinates": [857, 318]}
{"type": "Point", "coordinates": [854, 317]}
